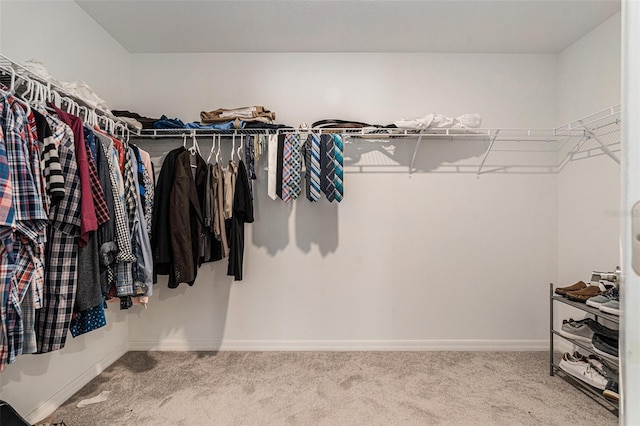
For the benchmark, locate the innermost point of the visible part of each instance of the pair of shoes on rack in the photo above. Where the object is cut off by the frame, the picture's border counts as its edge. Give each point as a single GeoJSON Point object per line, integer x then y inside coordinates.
{"type": "Point", "coordinates": [605, 346]}
{"type": "Point", "coordinates": [583, 330]}
{"type": "Point", "coordinates": [577, 330]}
{"type": "Point", "coordinates": [583, 370]}
{"type": "Point", "coordinates": [562, 291]}
{"type": "Point", "coordinates": [608, 302]}
{"type": "Point", "coordinates": [611, 388]}
{"type": "Point", "coordinates": [590, 291]}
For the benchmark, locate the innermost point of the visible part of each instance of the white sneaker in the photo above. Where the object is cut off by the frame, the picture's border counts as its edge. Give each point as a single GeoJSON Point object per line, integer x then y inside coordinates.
{"type": "Point", "coordinates": [583, 370]}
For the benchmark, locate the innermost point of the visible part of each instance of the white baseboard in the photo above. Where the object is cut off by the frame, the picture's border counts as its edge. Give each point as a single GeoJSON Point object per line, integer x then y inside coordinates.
{"type": "Point", "coordinates": [340, 345]}
{"type": "Point", "coordinates": [49, 406]}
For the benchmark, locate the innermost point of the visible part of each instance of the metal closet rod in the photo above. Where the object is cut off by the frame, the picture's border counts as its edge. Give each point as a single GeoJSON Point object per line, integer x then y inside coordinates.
{"type": "Point", "coordinates": [59, 95]}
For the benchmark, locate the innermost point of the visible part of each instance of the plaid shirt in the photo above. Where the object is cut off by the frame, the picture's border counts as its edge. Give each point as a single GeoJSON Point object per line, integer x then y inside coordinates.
{"type": "Point", "coordinates": [7, 225]}
{"type": "Point", "coordinates": [52, 321]}
{"type": "Point", "coordinates": [26, 282]}
{"type": "Point", "coordinates": [125, 258]}
{"type": "Point", "coordinates": [102, 211]}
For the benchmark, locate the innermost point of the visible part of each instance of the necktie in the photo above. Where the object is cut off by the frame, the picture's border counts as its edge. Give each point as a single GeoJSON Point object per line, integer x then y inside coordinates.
{"type": "Point", "coordinates": [291, 168]}
{"type": "Point", "coordinates": [307, 164]}
{"type": "Point", "coordinates": [328, 166]}
{"type": "Point", "coordinates": [279, 165]}
{"type": "Point", "coordinates": [313, 167]}
{"type": "Point", "coordinates": [296, 166]}
{"type": "Point", "coordinates": [338, 172]}
{"type": "Point", "coordinates": [272, 165]}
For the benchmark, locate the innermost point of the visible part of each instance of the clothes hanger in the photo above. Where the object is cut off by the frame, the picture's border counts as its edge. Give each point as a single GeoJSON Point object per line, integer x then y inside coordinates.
{"type": "Point", "coordinates": [233, 147]}
{"type": "Point", "coordinates": [195, 148]}
{"type": "Point", "coordinates": [218, 151]}
{"type": "Point", "coordinates": [213, 145]}
{"type": "Point", "coordinates": [239, 148]}
{"type": "Point", "coordinates": [22, 102]}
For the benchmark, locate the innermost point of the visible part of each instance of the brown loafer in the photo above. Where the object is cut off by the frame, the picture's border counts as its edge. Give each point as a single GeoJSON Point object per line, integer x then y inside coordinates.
{"type": "Point", "coordinates": [584, 294]}
{"type": "Point", "coordinates": [564, 290]}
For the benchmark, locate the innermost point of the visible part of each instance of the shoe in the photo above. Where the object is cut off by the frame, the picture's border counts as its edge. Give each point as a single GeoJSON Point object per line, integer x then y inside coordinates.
{"type": "Point", "coordinates": [611, 307]}
{"type": "Point", "coordinates": [584, 294]}
{"type": "Point", "coordinates": [577, 330]}
{"type": "Point", "coordinates": [582, 370]}
{"type": "Point", "coordinates": [602, 330]}
{"type": "Point", "coordinates": [605, 346]}
{"type": "Point", "coordinates": [577, 286]}
{"type": "Point", "coordinates": [597, 301]}
{"type": "Point", "coordinates": [611, 390]}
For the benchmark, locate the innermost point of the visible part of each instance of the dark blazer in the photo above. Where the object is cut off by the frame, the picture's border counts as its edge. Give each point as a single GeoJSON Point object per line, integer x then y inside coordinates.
{"type": "Point", "coordinates": [160, 242]}
{"type": "Point", "coordinates": [185, 218]}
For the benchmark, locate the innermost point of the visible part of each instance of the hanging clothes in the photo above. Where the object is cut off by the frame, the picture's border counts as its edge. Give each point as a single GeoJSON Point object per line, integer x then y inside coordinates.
{"type": "Point", "coordinates": [219, 228]}
{"type": "Point", "coordinates": [160, 240]}
{"type": "Point", "coordinates": [242, 213]}
{"type": "Point", "coordinates": [65, 225]}
{"type": "Point", "coordinates": [185, 217]}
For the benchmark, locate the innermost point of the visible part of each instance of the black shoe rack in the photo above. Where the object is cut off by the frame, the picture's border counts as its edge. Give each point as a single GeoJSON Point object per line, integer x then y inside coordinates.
{"type": "Point", "coordinates": [554, 367]}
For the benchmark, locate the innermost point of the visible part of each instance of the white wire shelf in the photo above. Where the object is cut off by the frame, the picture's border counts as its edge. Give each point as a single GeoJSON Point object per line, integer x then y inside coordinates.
{"type": "Point", "coordinates": [525, 151]}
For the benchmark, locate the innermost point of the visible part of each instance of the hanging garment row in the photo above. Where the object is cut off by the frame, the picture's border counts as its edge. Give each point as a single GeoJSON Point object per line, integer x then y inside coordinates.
{"type": "Point", "coordinates": [75, 209]}
{"type": "Point", "coordinates": [204, 206]}
{"type": "Point", "coordinates": [323, 160]}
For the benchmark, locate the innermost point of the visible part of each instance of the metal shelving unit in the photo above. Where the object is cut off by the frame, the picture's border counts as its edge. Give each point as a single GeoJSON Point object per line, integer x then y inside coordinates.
{"type": "Point", "coordinates": [554, 367]}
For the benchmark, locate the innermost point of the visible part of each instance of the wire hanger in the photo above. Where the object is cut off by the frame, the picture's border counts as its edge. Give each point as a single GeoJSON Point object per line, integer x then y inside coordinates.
{"type": "Point", "coordinates": [213, 145]}
{"type": "Point", "coordinates": [218, 151]}
{"type": "Point", "coordinates": [233, 146]}
{"type": "Point", "coordinates": [22, 102]}
{"type": "Point", "coordinates": [239, 148]}
{"type": "Point", "coordinates": [195, 148]}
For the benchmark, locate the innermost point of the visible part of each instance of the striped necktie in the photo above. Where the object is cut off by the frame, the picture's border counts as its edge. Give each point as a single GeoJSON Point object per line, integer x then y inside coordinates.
{"type": "Point", "coordinates": [286, 169]}
{"type": "Point", "coordinates": [313, 167]}
{"type": "Point", "coordinates": [338, 171]}
{"type": "Point", "coordinates": [328, 167]}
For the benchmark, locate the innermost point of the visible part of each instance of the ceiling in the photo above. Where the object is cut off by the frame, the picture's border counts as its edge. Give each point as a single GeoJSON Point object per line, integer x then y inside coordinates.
{"type": "Point", "coordinates": [505, 26]}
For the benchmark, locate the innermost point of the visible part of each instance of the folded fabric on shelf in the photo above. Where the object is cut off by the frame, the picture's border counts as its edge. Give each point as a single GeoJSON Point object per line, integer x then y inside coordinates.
{"type": "Point", "coordinates": [250, 113]}
{"type": "Point", "coordinates": [147, 123]}
{"type": "Point", "coordinates": [168, 123]}
{"type": "Point", "coordinates": [438, 121]}
{"type": "Point", "coordinates": [227, 125]}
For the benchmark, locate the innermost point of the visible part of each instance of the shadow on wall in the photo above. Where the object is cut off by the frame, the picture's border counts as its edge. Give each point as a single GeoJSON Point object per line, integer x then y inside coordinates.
{"type": "Point", "coordinates": [272, 229]}
{"type": "Point", "coordinates": [395, 155]}
{"type": "Point", "coordinates": [212, 275]}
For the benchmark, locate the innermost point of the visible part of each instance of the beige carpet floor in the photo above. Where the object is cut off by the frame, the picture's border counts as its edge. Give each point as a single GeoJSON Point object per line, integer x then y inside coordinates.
{"type": "Point", "coordinates": [333, 388]}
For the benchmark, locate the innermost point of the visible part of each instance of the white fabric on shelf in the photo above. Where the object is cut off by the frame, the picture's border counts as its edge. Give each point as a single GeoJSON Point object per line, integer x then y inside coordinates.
{"type": "Point", "coordinates": [438, 121]}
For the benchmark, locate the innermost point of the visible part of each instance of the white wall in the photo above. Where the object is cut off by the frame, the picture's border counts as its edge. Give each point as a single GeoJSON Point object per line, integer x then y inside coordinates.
{"type": "Point", "coordinates": [35, 384]}
{"type": "Point", "coordinates": [70, 44]}
{"type": "Point", "coordinates": [588, 190]}
{"type": "Point", "coordinates": [429, 260]}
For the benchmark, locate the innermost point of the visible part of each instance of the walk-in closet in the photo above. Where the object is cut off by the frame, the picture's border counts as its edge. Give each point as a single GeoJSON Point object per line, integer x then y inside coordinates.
{"type": "Point", "coordinates": [319, 212]}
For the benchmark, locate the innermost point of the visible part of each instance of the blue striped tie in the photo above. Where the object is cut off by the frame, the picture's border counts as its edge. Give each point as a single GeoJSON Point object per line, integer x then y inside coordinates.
{"type": "Point", "coordinates": [328, 186]}
{"type": "Point", "coordinates": [313, 167]}
{"type": "Point", "coordinates": [338, 171]}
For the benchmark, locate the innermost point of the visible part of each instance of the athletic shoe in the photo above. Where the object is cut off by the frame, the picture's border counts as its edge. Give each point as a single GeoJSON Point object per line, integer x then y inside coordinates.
{"type": "Point", "coordinates": [597, 301]}
{"type": "Point", "coordinates": [582, 370]}
{"type": "Point", "coordinates": [577, 330]}
{"type": "Point", "coordinates": [611, 390]}
{"type": "Point", "coordinates": [602, 330]}
{"type": "Point", "coordinates": [611, 307]}
{"type": "Point", "coordinates": [585, 294]}
{"type": "Point", "coordinates": [605, 346]}
{"type": "Point", "coordinates": [575, 287]}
